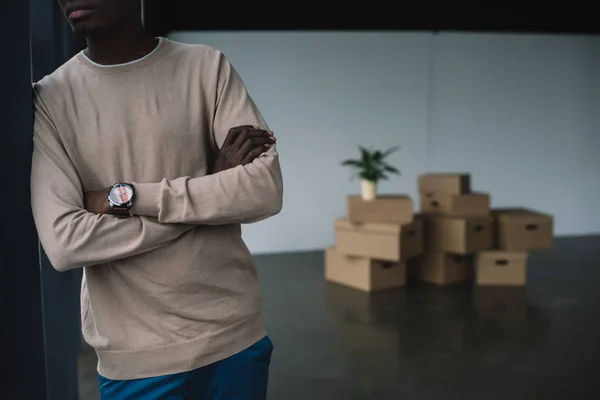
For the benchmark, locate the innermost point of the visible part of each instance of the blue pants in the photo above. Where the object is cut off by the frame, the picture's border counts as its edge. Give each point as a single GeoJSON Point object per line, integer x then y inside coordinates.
{"type": "Point", "coordinates": [243, 376]}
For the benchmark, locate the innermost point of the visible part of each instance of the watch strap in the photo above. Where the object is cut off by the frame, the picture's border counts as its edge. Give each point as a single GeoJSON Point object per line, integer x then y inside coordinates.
{"type": "Point", "coordinates": [121, 211]}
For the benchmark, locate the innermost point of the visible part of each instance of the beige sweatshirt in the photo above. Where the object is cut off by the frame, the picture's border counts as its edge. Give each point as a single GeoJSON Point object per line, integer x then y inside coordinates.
{"type": "Point", "coordinates": [172, 288]}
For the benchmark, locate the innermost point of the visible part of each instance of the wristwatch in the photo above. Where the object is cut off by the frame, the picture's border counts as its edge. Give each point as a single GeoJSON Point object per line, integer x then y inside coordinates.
{"type": "Point", "coordinates": [120, 199]}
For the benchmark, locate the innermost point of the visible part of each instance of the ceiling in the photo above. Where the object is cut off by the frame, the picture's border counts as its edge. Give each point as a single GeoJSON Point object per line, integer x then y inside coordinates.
{"type": "Point", "coordinates": [185, 15]}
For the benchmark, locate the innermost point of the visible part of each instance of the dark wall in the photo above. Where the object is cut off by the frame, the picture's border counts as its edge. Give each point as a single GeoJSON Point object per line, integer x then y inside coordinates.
{"type": "Point", "coordinates": [40, 307]}
{"type": "Point", "coordinates": [52, 43]}
{"type": "Point", "coordinates": [164, 17]}
{"type": "Point", "coordinates": [23, 373]}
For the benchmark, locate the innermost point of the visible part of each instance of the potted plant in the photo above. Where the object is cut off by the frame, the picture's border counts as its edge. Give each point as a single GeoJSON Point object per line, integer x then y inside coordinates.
{"type": "Point", "coordinates": [372, 168]}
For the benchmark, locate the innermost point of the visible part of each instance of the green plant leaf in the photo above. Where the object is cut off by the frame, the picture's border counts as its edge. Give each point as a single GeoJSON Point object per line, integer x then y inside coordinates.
{"type": "Point", "coordinates": [365, 154]}
{"type": "Point", "coordinates": [352, 163]}
{"type": "Point", "coordinates": [391, 169]}
{"type": "Point", "coordinates": [391, 150]}
{"type": "Point", "coordinates": [371, 165]}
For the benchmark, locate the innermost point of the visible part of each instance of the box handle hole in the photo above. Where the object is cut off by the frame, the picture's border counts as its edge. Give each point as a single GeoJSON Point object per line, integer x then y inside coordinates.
{"type": "Point", "coordinates": [478, 228]}
{"type": "Point", "coordinates": [387, 264]}
{"type": "Point", "coordinates": [502, 262]}
{"type": "Point", "coordinates": [531, 227]}
{"type": "Point", "coordinates": [435, 203]}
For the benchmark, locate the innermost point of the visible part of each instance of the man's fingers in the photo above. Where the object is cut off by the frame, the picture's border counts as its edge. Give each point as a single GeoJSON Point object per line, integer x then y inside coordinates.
{"type": "Point", "coordinates": [234, 132]}
{"type": "Point", "coordinates": [241, 139]}
{"type": "Point", "coordinates": [260, 141]}
{"type": "Point", "coordinates": [254, 146]}
{"type": "Point", "coordinates": [245, 147]}
{"type": "Point", "coordinates": [257, 136]}
{"type": "Point", "coordinates": [255, 133]}
{"type": "Point", "coordinates": [251, 156]}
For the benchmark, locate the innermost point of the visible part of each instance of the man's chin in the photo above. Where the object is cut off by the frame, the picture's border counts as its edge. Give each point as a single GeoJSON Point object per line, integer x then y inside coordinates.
{"type": "Point", "coordinates": [82, 30]}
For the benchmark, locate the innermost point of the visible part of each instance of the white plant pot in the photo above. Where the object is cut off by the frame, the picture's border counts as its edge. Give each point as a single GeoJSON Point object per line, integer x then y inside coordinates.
{"type": "Point", "coordinates": [368, 190]}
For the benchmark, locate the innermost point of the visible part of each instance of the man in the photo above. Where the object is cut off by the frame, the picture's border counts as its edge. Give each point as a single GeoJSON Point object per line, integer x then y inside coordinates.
{"type": "Point", "coordinates": [149, 155]}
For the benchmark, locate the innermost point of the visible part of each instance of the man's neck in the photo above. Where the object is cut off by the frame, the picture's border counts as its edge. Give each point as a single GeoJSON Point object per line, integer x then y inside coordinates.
{"type": "Point", "coordinates": [120, 46]}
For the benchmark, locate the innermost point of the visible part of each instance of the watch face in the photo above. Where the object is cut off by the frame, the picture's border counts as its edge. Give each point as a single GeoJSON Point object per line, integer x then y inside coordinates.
{"type": "Point", "coordinates": [120, 194]}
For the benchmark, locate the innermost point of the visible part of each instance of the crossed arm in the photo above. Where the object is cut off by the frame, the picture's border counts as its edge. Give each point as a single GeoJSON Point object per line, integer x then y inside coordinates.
{"type": "Point", "coordinates": [74, 237]}
{"type": "Point", "coordinates": [242, 146]}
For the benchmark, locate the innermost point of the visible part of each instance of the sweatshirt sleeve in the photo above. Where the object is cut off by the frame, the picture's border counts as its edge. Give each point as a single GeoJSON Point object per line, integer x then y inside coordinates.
{"type": "Point", "coordinates": [71, 236]}
{"type": "Point", "coordinates": [243, 194]}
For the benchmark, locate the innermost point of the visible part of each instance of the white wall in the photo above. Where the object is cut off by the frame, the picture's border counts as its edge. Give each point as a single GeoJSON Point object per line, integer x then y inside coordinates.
{"type": "Point", "coordinates": [521, 113]}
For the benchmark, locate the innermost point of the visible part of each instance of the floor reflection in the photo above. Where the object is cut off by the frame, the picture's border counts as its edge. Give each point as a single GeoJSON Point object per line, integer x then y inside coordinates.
{"type": "Point", "coordinates": [427, 342]}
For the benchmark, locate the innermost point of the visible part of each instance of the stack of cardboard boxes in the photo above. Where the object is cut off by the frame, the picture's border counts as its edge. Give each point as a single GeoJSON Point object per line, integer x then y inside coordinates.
{"type": "Point", "coordinates": [456, 237]}
{"type": "Point", "coordinates": [458, 224]}
{"type": "Point", "coordinates": [374, 242]}
{"type": "Point", "coordinates": [501, 273]}
{"type": "Point", "coordinates": [465, 238]}
{"type": "Point", "coordinates": [518, 231]}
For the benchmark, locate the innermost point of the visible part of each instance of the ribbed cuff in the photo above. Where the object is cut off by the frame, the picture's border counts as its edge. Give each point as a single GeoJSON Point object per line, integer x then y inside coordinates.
{"type": "Point", "coordinates": [147, 199]}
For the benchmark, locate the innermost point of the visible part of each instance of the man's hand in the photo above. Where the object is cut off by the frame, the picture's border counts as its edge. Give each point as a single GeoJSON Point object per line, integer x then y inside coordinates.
{"type": "Point", "coordinates": [242, 145]}
{"type": "Point", "coordinates": [97, 201]}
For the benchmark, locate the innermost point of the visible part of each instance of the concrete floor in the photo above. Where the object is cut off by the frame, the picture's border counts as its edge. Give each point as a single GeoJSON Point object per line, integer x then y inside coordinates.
{"type": "Point", "coordinates": [424, 342]}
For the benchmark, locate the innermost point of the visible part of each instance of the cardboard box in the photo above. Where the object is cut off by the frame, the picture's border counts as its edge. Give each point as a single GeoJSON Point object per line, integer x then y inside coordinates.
{"type": "Point", "coordinates": [394, 209]}
{"type": "Point", "coordinates": [501, 268]}
{"type": "Point", "coordinates": [363, 273]}
{"type": "Point", "coordinates": [443, 268]}
{"type": "Point", "coordinates": [386, 242]}
{"type": "Point", "coordinates": [457, 205]}
{"type": "Point", "coordinates": [445, 183]}
{"type": "Point", "coordinates": [458, 235]}
{"type": "Point", "coordinates": [521, 229]}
